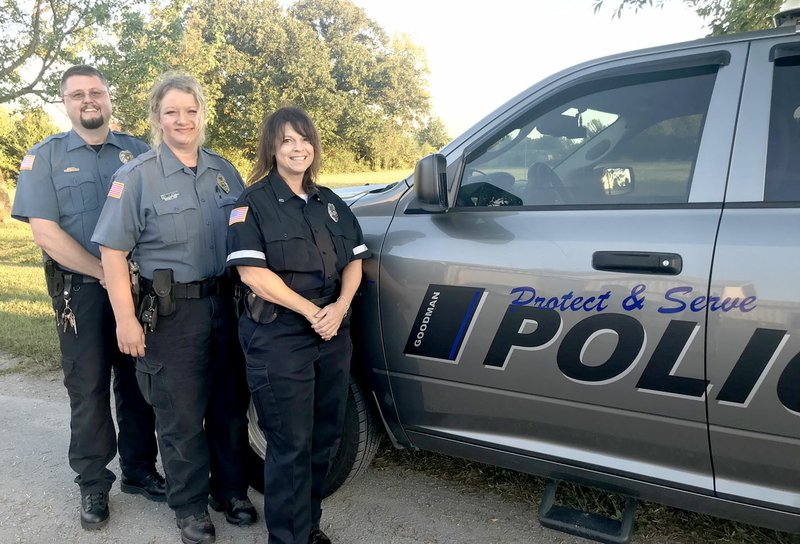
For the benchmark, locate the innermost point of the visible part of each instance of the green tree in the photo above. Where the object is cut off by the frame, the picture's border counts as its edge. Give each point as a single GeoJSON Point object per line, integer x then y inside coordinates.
{"type": "Point", "coordinates": [433, 136]}
{"type": "Point", "coordinates": [18, 132]}
{"type": "Point", "coordinates": [722, 16]}
{"type": "Point", "coordinates": [366, 93]}
{"type": "Point", "coordinates": [38, 36]}
{"type": "Point", "coordinates": [143, 46]}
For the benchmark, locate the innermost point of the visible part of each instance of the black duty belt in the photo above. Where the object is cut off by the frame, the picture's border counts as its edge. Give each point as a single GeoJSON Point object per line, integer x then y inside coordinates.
{"type": "Point", "coordinates": [195, 289]}
{"type": "Point", "coordinates": [323, 301]}
{"type": "Point", "coordinates": [77, 278]}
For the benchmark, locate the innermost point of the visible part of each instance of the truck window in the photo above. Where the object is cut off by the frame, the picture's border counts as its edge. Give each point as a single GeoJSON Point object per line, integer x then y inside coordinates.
{"type": "Point", "coordinates": [627, 140]}
{"type": "Point", "coordinates": [782, 183]}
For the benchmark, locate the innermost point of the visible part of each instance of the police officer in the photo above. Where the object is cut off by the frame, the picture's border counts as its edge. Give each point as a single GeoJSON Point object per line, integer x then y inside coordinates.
{"type": "Point", "coordinates": [298, 250]}
{"type": "Point", "coordinates": [169, 209]}
{"type": "Point", "coordinates": [62, 184]}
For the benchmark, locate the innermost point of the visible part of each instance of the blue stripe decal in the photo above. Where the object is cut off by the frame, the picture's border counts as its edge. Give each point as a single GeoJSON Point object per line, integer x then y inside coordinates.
{"type": "Point", "coordinates": [464, 323]}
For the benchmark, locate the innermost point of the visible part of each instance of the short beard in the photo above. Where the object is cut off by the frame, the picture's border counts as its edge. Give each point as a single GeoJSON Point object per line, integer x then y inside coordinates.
{"type": "Point", "coordinates": [93, 122]}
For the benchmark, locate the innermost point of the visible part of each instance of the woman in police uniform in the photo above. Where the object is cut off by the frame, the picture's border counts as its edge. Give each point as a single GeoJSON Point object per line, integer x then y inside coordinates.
{"type": "Point", "coordinates": [298, 250]}
{"type": "Point", "coordinates": [168, 208]}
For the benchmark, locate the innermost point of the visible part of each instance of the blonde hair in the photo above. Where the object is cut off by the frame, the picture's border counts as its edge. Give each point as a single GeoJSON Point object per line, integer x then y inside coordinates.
{"type": "Point", "coordinates": [180, 82]}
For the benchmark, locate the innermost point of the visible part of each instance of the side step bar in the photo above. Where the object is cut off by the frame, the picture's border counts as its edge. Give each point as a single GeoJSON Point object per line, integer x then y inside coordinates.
{"type": "Point", "coordinates": [589, 525]}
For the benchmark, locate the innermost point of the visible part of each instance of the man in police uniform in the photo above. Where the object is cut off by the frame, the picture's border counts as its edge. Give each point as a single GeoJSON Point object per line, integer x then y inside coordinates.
{"type": "Point", "coordinates": [63, 182]}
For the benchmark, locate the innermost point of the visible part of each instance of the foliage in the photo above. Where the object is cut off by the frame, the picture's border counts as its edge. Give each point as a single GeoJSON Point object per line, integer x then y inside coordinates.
{"type": "Point", "coordinates": [366, 92]}
{"type": "Point", "coordinates": [722, 16]}
{"type": "Point", "coordinates": [18, 133]}
{"type": "Point", "coordinates": [39, 36]}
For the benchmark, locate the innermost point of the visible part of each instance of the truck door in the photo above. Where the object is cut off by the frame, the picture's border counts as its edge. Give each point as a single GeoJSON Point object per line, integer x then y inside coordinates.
{"type": "Point", "coordinates": [548, 317]}
{"type": "Point", "coordinates": [754, 356]}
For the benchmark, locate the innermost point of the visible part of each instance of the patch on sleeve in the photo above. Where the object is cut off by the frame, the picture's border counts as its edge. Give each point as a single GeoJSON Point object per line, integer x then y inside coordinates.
{"type": "Point", "coordinates": [238, 215]}
{"type": "Point", "coordinates": [116, 189]}
{"type": "Point", "coordinates": [358, 250]}
{"type": "Point", "coordinates": [27, 162]}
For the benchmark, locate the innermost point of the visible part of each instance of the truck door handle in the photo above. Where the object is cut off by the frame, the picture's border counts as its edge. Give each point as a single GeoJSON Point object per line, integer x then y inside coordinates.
{"type": "Point", "coordinates": [638, 262]}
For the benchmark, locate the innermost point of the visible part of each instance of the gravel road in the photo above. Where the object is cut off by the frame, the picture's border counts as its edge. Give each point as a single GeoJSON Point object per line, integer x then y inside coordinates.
{"type": "Point", "coordinates": [392, 505]}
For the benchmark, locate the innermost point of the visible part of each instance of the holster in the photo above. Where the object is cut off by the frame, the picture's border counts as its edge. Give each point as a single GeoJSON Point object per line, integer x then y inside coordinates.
{"type": "Point", "coordinates": [54, 278]}
{"type": "Point", "coordinates": [258, 309]}
{"type": "Point", "coordinates": [133, 272]}
{"type": "Point", "coordinates": [162, 286]}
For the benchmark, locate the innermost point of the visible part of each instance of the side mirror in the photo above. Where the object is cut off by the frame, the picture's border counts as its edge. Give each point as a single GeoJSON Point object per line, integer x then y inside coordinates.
{"type": "Point", "coordinates": [430, 182]}
{"type": "Point", "coordinates": [617, 180]}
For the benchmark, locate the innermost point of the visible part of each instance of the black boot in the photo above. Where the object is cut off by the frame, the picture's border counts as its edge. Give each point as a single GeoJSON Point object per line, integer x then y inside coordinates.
{"type": "Point", "coordinates": [152, 486]}
{"type": "Point", "coordinates": [197, 529]}
{"type": "Point", "coordinates": [94, 510]}
{"type": "Point", "coordinates": [237, 511]}
{"type": "Point", "coordinates": [318, 537]}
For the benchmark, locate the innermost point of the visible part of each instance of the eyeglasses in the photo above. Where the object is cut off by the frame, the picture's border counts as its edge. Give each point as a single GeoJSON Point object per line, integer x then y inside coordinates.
{"type": "Point", "coordinates": [80, 96]}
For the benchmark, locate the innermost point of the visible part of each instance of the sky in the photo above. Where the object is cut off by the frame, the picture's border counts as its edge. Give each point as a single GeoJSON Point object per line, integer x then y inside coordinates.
{"type": "Point", "coordinates": [481, 53]}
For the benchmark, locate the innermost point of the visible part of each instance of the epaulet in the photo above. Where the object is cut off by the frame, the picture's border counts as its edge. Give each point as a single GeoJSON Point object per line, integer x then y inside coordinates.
{"type": "Point", "coordinates": [54, 137]}
{"type": "Point", "coordinates": [217, 155]}
{"type": "Point", "coordinates": [254, 186]}
{"type": "Point", "coordinates": [127, 136]}
{"type": "Point", "coordinates": [148, 155]}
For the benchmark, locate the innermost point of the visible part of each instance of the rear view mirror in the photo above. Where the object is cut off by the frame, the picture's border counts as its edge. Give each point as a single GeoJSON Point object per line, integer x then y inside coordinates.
{"type": "Point", "coordinates": [617, 180]}
{"type": "Point", "coordinates": [430, 182]}
{"type": "Point", "coordinates": [561, 126]}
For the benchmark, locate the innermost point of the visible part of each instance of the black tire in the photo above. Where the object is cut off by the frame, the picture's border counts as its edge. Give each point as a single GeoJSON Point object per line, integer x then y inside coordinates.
{"type": "Point", "coordinates": [360, 439]}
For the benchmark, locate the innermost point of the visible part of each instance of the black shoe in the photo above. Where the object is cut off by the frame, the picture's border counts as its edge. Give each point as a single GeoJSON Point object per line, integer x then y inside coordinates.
{"type": "Point", "coordinates": [197, 529]}
{"type": "Point", "coordinates": [237, 511]}
{"type": "Point", "coordinates": [151, 486]}
{"type": "Point", "coordinates": [94, 510]}
{"type": "Point", "coordinates": [318, 537]}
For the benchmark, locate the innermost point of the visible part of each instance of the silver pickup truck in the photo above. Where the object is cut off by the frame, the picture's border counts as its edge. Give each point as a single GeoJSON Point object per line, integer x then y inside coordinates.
{"type": "Point", "coordinates": [598, 283]}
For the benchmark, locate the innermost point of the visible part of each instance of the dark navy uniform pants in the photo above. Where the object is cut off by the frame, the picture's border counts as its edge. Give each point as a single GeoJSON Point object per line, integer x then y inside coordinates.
{"type": "Point", "coordinates": [193, 376]}
{"type": "Point", "coordinates": [87, 360]}
{"type": "Point", "coordinates": [299, 387]}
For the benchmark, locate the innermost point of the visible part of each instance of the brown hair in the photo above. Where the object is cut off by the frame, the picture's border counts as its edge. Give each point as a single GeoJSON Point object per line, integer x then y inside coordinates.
{"type": "Point", "coordinates": [271, 132]}
{"type": "Point", "coordinates": [81, 70]}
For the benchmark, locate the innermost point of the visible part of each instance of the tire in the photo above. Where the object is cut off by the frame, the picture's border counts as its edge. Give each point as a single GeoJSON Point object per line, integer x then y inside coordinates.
{"type": "Point", "coordinates": [359, 443]}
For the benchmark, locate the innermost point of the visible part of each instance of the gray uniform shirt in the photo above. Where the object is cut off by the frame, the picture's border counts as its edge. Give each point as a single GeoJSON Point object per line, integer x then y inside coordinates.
{"type": "Point", "coordinates": [170, 217]}
{"type": "Point", "coordinates": [63, 179]}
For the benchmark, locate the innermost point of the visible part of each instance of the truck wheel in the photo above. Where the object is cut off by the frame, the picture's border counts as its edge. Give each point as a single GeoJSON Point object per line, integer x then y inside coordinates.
{"type": "Point", "coordinates": [358, 446]}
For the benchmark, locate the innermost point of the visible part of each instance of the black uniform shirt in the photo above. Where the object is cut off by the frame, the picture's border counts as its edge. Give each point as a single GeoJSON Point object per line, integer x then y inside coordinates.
{"type": "Point", "coordinates": [306, 243]}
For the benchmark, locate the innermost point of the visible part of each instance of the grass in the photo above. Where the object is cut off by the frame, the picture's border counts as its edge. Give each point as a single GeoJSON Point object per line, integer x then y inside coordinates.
{"type": "Point", "coordinates": [363, 178]}
{"type": "Point", "coordinates": [27, 327]}
{"type": "Point", "coordinates": [654, 522]}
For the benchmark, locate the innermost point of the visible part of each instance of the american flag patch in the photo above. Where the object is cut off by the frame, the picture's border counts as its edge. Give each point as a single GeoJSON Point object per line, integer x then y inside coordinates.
{"type": "Point", "coordinates": [238, 215]}
{"type": "Point", "coordinates": [27, 162]}
{"type": "Point", "coordinates": [116, 189]}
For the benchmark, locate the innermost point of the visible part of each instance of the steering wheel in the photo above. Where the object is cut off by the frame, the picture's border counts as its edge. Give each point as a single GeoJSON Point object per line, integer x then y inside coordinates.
{"type": "Point", "coordinates": [544, 174]}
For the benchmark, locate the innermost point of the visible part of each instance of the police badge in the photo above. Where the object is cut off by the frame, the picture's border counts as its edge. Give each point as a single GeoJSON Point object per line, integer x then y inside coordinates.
{"type": "Point", "coordinates": [125, 156]}
{"type": "Point", "coordinates": [333, 213]}
{"type": "Point", "coordinates": [222, 183]}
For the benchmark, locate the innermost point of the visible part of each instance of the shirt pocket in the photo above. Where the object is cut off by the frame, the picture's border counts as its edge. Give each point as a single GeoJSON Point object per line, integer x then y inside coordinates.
{"type": "Point", "coordinates": [344, 242]}
{"type": "Point", "coordinates": [172, 219]}
{"type": "Point", "coordinates": [75, 193]}
{"type": "Point", "coordinates": [288, 252]}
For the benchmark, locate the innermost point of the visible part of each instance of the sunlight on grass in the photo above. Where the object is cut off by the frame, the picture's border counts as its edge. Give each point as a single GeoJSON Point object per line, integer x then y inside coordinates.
{"type": "Point", "coordinates": [363, 178]}
{"type": "Point", "coordinates": [27, 327]}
